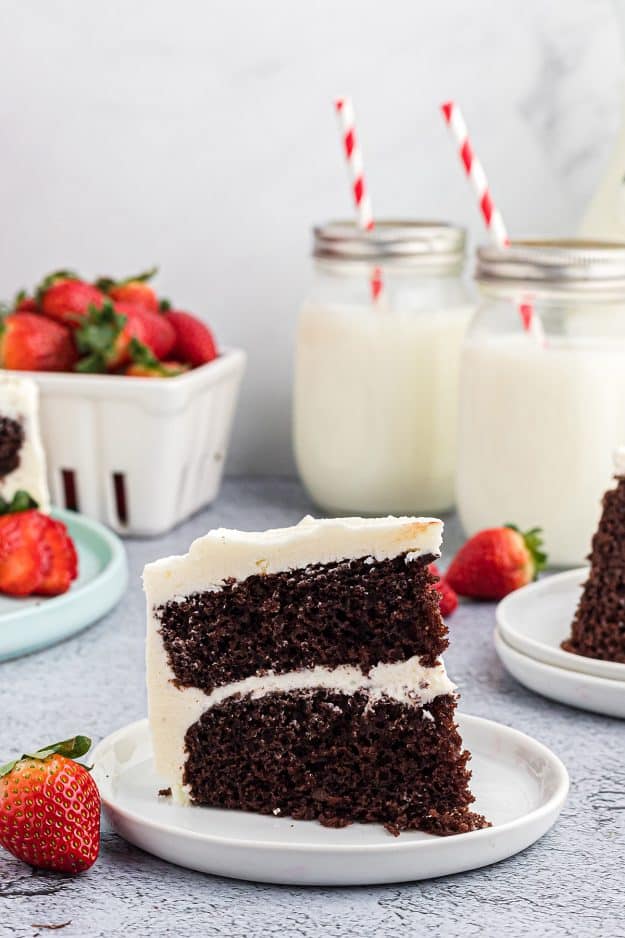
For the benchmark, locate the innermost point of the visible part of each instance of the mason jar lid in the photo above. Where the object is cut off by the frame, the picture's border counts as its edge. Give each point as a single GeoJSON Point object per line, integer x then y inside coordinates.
{"type": "Point", "coordinates": [554, 264]}
{"type": "Point", "coordinates": [427, 241]}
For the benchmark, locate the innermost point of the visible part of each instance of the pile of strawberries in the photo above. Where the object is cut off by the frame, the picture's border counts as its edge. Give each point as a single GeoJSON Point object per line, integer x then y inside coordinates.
{"type": "Point", "coordinates": [37, 555]}
{"type": "Point", "coordinates": [491, 564]}
{"type": "Point", "coordinates": [106, 327]}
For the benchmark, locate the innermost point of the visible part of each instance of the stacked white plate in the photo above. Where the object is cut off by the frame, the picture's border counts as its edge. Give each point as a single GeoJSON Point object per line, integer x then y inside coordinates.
{"type": "Point", "coordinates": [532, 623]}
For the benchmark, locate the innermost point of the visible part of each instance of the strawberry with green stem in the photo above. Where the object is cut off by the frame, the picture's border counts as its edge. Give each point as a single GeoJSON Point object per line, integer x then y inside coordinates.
{"type": "Point", "coordinates": [116, 333]}
{"type": "Point", "coordinates": [497, 561]}
{"type": "Point", "coordinates": [63, 296]}
{"type": "Point", "coordinates": [135, 289]}
{"type": "Point", "coordinates": [50, 808]}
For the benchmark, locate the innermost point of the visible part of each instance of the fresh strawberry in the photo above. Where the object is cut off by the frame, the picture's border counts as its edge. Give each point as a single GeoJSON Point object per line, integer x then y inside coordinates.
{"type": "Point", "coordinates": [159, 334]}
{"type": "Point", "coordinates": [497, 561]}
{"type": "Point", "coordinates": [63, 564]}
{"type": "Point", "coordinates": [50, 808]}
{"type": "Point", "coordinates": [24, 303]}
{"type": "Point", "coordinates": [134, 290]}
{"type": "Point", "coordinates": [29, 342]}
{"type": "Point", "coordinates": [105, 337]}
{"type": "Point", "coordinates": [24, 559]}
{"type": "Point", "coordinates": [37, 554]}
{"type": "Point", "coordinates": [156, 369]}
{"type": "Point", "coordinates": [68, 300]}
{"type": "Point", "coordinates": [448, 600]}
{"type": "Point", "coordinates": [194, 340]}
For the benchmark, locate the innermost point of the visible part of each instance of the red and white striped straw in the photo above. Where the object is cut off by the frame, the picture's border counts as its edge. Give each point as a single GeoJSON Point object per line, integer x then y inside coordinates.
{"type": "Point", "coordinates": [353, 155]}
{"type": "Point", "coordinates": [490, 213]}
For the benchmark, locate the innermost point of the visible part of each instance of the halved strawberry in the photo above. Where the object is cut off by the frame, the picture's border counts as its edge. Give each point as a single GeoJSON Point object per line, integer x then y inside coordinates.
{"type": "Point", "coordinates": [63, 567]}
{"type": "Point", "coordinates": [25, 559]}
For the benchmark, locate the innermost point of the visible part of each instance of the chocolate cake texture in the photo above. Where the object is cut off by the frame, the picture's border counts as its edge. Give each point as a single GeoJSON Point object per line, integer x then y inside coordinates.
{"type": "Point", "coordinates": [297, 673]}
{"type": "Point", "coordinates": [354, 612]}
{"type": "Point", "coordinates": [598, 629]}
{"type": "Point", "coordinates": [11, 442]}
{"type": "Point", "coordinates": [334, 758]}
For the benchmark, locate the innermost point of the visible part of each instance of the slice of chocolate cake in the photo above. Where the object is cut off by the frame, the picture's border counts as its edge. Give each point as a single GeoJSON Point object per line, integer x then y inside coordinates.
{"type": "Point", "coordinates": [598, 629]}
{"type": "Point", "coordinates": [22, 459]}
{"type": "Point", "coordinates": [298, 672]}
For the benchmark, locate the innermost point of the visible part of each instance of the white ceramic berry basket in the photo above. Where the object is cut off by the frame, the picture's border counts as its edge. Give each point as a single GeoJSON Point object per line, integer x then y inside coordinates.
{"type": "Point", "coordinates": [139, 454]}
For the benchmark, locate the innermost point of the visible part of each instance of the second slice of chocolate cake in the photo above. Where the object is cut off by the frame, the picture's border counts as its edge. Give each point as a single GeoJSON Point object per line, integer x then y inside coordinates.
{"type": "Point", "coordinates": [298, 672]}
{"type": "Point", "coordinates": [598, 629]}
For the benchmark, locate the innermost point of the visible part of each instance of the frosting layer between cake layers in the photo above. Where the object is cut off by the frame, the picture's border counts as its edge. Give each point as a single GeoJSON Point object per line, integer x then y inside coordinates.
{"type": "Point", "coordinates": [222, 555]}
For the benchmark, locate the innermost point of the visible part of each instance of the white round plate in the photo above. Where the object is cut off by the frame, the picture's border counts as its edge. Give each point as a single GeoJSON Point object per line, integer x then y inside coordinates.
{"type": "Point", "coordinates": [585, 691]}
{"type": "Point", "coordinates": [537, 618]}
{"type": "Point", "coordinates": [519, 785]}
{"type": "Point", "coordinates": [35, 622]}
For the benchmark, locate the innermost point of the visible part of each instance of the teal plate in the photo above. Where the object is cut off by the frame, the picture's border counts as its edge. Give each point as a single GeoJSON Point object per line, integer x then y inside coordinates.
{"type": "Point", "coordinates": [30, 624]}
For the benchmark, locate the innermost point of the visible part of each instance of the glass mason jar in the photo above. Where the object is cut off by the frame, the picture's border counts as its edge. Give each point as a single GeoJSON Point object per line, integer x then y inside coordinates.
{"type": "Point", "coordinates": [540, 419]}
{"type": "Point", "coordinates": [376, 381]}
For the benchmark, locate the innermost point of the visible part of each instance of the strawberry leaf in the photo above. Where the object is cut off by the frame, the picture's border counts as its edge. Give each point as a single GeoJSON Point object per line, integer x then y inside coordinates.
{"type": "Point", "coordinates": [72, 748]}
{"type": "Point", "coordinates": [165, 305]}
{"type": "Point", "coordinates": [91, 365]}
{"type": "Point", "coordinates": [99, 331]}
{"type": "Point", "coordinates": [107, 283]}
{"type": "Point", "coordinates": [104, 283]}
{"type": "Point", "coordinates": [142, 355]}
{"type": "Point", "coordinates": [21, 501]}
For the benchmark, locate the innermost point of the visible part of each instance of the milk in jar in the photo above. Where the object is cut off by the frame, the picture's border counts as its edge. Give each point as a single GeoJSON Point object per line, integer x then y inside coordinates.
{"type": "Point", "coordinates": [376, 382]}
{"type": "Point", "coordinates": [540, 420]}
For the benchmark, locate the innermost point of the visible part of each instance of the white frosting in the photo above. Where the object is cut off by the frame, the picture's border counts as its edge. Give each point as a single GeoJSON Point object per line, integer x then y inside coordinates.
{"type": "Point", "coordinates": [173, 710]}
{"type": "Point", "coordinates": [224, 553]}
{"type": "Point", "coordinates": [239, 554]}
{"type": "Point", "coordinates": [619, 460]}
{"type": "Point", "coordinates": [19, 400]}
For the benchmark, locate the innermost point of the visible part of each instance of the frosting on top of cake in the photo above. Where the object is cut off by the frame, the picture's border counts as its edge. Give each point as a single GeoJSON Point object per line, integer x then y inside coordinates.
{"type": "Point", "coordinates": [619, 460]}
{"type": "Point", "coordinates": [225, 553]}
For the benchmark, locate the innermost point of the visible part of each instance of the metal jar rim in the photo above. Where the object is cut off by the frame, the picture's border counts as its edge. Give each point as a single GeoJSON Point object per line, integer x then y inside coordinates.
{"type": "Point", "coordinates": [554, 264]}
{"type": "Point", "coordinates": [420, 241]}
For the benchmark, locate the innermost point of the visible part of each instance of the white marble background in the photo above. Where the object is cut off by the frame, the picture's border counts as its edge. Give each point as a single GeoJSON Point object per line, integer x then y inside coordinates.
{"type": "Point", "coordinates": [200, 135]}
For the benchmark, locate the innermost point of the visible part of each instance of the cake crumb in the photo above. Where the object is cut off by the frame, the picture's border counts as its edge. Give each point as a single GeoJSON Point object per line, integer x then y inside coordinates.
{"type": "Point", "coordinates": [164, 793]}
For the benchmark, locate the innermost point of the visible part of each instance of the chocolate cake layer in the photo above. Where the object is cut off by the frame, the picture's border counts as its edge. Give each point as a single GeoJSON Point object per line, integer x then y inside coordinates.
{"type": "Point", "coordinates": [335, 758]}
{"type": "Point", "coordinates": [11, 441]}
{"type": "Point", "coordinates": [355, 612]}
{"type": "Point", "coordinates": [598, 630]}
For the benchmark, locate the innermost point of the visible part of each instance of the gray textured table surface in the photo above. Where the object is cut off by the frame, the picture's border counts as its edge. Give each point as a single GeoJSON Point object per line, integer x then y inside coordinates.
{"type": "Point", "coordinates": [569, 883]}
